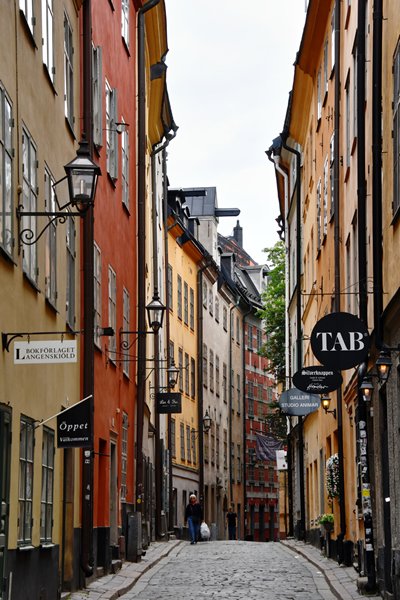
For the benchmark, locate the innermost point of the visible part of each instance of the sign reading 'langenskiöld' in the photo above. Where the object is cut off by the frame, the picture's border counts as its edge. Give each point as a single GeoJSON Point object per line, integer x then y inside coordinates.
{"type": "Point", "coordinates": [340, 341]}
{"type": "Point", "coordinates": [317, 380]}
{"type": "Point", "coordinates": [296, 403]}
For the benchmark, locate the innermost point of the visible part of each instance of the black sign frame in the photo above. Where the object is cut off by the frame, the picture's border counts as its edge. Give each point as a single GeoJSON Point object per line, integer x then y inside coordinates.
{"type": "Point", "coordinates": [74, 426]}
{"type": "Point", "coordinates": [317, 380]}
{"type": "Point", "coordinates": [168, 402]}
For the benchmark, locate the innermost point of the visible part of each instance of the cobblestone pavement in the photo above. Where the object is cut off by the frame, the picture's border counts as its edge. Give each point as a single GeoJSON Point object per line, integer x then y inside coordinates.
{"type": "Point", "coordinates": [234, 570]}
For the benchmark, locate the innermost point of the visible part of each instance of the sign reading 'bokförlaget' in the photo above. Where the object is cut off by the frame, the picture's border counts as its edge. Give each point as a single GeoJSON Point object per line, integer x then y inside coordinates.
{"type": "Point", "coordinates": [52, 351]}
{"type": "Point", "coordinates": [296, 403]}
{"type": "Point", "coordinates": [340, 341]}
{"type": "Point", "coordinates": [317, 380]}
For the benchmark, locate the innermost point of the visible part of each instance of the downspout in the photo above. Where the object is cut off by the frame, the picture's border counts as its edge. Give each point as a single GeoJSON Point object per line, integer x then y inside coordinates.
{"type": "Point", "coordinates": [299, 345]}
{"type": "Point", "coordinates": [361, 413]}
{"type": "Point", "coordinates": [244, 421]}
{"type": "Point", "coordinates": [158, 446]}
{"type": "Point", "coordinates": [87, 555]}
{"type": "Point", "coordinates": [337, 247]}
{"type": "Point", "coordinates": [141, 249]}
{"type": "Point", "coordinates": [231, 402]}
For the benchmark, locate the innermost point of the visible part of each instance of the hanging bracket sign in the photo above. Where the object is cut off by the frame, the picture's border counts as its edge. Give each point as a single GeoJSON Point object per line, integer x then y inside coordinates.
{"type": "Point", "coordinates": [317, 380]}
{"type": "Point", "coordinates": [296, 403]}
{"type": "Point", "coordinates": [169, 402]}
{"type": "Point", "coordinates": [340, 341]}
{"type": "Point", "coordinates": [39, 353]}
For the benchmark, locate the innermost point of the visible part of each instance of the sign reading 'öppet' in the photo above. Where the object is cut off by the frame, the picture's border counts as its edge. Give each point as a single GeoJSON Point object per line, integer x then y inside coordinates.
{"type": "Point", "coordinates": [340, 341]}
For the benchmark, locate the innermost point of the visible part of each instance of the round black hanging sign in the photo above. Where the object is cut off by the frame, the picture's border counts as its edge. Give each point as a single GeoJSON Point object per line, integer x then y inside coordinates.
{"type": "Point", "coordinates": [317, 380]}
{"type": "Point", "coordinates": [340, 341]}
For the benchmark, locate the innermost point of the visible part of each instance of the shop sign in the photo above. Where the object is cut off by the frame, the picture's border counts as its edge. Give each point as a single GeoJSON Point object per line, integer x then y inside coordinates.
{"type": "Point", "coordinates": [317, 380]}
{"type": "Point", "coordinates": [340, 341]}
{"type": "Point", "coordinates": [74, 426]}
{"type": "Point", "coordinates": [296, 403]}
{"type": "Point", "coordinates": [169, 402]}
{"type": "Point", "coordinates": [52, 351]}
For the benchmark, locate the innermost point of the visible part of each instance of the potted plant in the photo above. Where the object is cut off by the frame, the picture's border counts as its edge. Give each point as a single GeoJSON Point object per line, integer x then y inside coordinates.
{"type": "Point", "coordinates": [327, 520]}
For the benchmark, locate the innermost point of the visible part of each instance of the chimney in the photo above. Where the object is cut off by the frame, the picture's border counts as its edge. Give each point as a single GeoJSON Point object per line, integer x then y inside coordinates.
{"type": "Point", "coordinates": [238, 234]}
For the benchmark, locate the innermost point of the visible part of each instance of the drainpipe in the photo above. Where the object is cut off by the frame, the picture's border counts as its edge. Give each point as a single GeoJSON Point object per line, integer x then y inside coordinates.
{"type": "Point", "coordinates": [248, 312]}
{"type": "Point", "coordinates": [361, 413]}
{"type": "Point", "coordinates": [231, 401]}
{"type": "Point", "coordinates": [337, 247]}
{"type": "Point", "coordinates": [284, 136]}
{"type": "Point", "coordinates": [87, 557]}
{"type": "Point", "coordinates": [141, 249]}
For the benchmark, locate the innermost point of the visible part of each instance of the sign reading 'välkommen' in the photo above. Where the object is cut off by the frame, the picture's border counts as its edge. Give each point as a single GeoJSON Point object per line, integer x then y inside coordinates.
{"type": "Point", "coordinates": [340, 341]}
{"type": "Point", "coordinates": [52, 351]}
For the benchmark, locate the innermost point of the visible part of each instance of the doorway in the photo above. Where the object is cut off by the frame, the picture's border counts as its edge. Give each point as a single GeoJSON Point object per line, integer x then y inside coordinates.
{"type": "Point", "coordinates": [5, 438]}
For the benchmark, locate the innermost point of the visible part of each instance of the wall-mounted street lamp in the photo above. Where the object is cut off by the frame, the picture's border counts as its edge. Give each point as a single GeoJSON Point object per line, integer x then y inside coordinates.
{"type": "Point", "coordinates": [367, 388]}
{"type": "Point", "coordinates": [155, 317]}
{"type": "Point", "coordinates": [172, 375]}
{"type": "Point", "coordinates": [383, 368]}
{"type": "Point", "coordinates": [82, 175]}
{"type": "Point", "coordinates": [383, 365]}
{"type": "Point", "coordinates": [206, 425]}
{"type": "Point", "coordinates": [326, 402]}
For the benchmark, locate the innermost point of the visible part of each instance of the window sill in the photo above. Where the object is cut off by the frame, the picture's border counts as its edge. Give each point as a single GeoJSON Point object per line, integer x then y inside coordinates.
{"type": "Point", "coordinates": [47, 545]}
{"type": "Point", "coordinates": [26, 548]}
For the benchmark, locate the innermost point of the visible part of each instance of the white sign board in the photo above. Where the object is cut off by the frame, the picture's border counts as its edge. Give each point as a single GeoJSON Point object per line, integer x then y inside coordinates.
{"type": "Point", "coordinates": [52, 351]}
{"type": "Point", "coordinates": [281, 463]}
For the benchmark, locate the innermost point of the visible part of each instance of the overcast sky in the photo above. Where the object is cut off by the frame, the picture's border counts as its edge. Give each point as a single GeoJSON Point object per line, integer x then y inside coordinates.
{"type": "Point", "coordinates": [230, 70]}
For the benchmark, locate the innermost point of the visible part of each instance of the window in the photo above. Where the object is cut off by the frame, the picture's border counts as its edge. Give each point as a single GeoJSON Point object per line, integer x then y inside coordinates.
{"type": "Point", "coordinates": [355, 90]}
{"type": "Point", "coordinates": [185, 303]}
{"type": "Point", "coordinates": [347, 108]}
{"type": "Point", "coordinates": [225, 449]}
{"type": "Point", "coordinates": [250, 338]}
{"type": "Point", "coordinates": [46, 506]}
{"type": "Point", "coordinates": [125, 167]}
{"type": "Point", "coordinates": [232, 326]}
{"type": "Point", "coordinates": [238, 394]}
{"type": "Point", "coordinates": [6, 170]}
{"type": "Point", "coordinates": [97, 294]}
{"type": "Point", "coordinates": [217, 378]}
{"type": "Point", "coordinates": [217, 446]}
{"type": "Point", "coordinates": [125, 327]}
{"type": "Point", "coordinates": [205, 366]}
{"type": "Point", "coordinates": [319, 215]}
{"type": "Point", "coordinates": [97, 92]}
{"type": "Point", "coordinates": [319, 96]}
{"type": "Point", "coordinates": [125, 20]}
{"type": "Point", "coordinates": [259, 339]}
{"type": "Point", "coordinates": [205, 294]}
{"type": "Point", "coordinates": [179, 297]}
{"type": "Point", "coordinates": [25, 495]}
{"type": "Point", "coordinates": [250, 396]}
{"type": "Point", "coordinates": [68, 72]}
{"type": "Point", "coordinates": [396, 130]}
{"type": "Point", "coordinates": [51, 241]}
{"type": "Point", "coordinates": [216, 306]}
{"type": "Point", "coordinates": [112, 308]}
{"type": "Point", "coordinates": [187, 374]}
{"type": "Point", "coordinates": [233, 461]}
{"type": "Point", "coordinates": [239, 465]}
{"type": "Point", "coordinates": [224, 383]}
{"type": "Point", "coordinates": [111, 131]}
{"type": "Point", "coordinates": [193, 377]}
{"type": "Point", "coordinates": [225, 318]}
{"type": "Point", "coordinates": [26, 6]}
{"type": "Point", "coordinates": [182, 432]}
{"type": "Point", "coordinates": [180, 365]}
{"type": "Point", "coordinates": [326, 76]}
{"type": "Point", "coordinates": [194, 454]}
{"type": "Point", "coordinates": [332, 173]}
{"type": "Point", "coordinates": [47, 37]}
{"type": "Point", "coordinates": [211, 370]}
{"type": "Point", "coordinates": [237, 330]}
{"type": "Point", "coordinates": [70, 288]}
{"type": "Point", "coordinates": [173, 437]}
{"type": "Point", "coordinates": [30, 191]}
{"type": "Point", "coordinates": [189, 443]}
{"type": "Point", "coordinates": [211, 302]}
{"type": "Point", "coordinates": [325, 200]}
{"type": "Point", "coordinates": [169, 286]}
{"type": "Point", "coordinates": [191, 296]}
{"type": "Point", "coordinates": [333, 44]}
{"type": "Point", "coordinates": [124, 455]}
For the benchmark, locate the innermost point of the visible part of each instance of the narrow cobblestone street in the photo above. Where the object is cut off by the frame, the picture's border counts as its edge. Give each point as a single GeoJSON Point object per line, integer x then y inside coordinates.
{"type": "Point", "coordinates": [232, 570]}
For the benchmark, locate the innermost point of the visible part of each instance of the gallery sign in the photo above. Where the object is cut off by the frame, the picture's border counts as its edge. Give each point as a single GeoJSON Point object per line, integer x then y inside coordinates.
{"type": "Point", "coordinates": [169, 402]}
{"type": "Point", "coordinates": [317, 380]}
{"type": "Point", "coordinates": [74, 426]}
{"type": "Point", "coordinates": [52, 351]}
{"type": "Point", "coordinates": [296, 403]}
{"type": "Point", "coordinates": [340, 341]}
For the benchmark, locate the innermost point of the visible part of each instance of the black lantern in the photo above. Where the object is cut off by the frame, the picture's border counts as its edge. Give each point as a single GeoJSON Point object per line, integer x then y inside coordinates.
{"type": "Point", "coordinates": [206, 421]}
{"type": "Point", "coordinates": [155, 313]}
{"type": "Point", "coordinates": [172, 375]}
{"type": "Point", "coordinates": [82, 174]}
{"type": "Point", "coordinates": [383, 365]}
{"type": "Point", "coordinates": [367, 389]}
{"type": "Point", "coordinates": [326, 402]}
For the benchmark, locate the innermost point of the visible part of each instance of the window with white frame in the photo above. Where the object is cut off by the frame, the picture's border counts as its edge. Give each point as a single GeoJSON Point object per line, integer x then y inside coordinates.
{"type": "Point", "coordinates": [111, 131]}
{"type": "Point", "coordinates": [211, 370]}
{"type": "Point", "coordinates": [238, 393]}
{"type": "Point", "coordinates": [26, 7]}
{"type": "Point", "coordinates": [347, 120]}
{"type": "Point", "coordinates": [125, 167]}
{"type": "Point", "coordinates": [6, 172]}
{"type": "Point", "coordinates": [182, 435]}
{"type": "Point", "coordinates": [97, 93]}
{"type": "Point", "coordinates": [211, 302]}
{"type": "Point", "coordinates": [216, 307]}
{"type": "Point", "coordinates": [70, 287]}
{"type": "Point", "coordinates": [51, 240]}
{"type": "Point", "coordinates": [189, 443]}
{"type": "Point", "coordinates": [225, 318]}
{"type": "Point", "coordinates": [325, 200]}
{"type": "Point", "coordinates": [179, 295]}
{"type": "Point", "coordinates": [25, 495]}
{"type": "Point", "coordinates": [319, 215]}
{"type": "Point", "coordinates": [30, 191]}
{"type": "Point", "coordinates": [333, 40]}
{"type": "Point", "coordinates": [48, 37]}
{"type": "Point", "coordinates": [217, 375]}
{"type": "Point", "coordinates": [124, 456]}
{"type": "Point", "coordinates": [332, 173]}
{"type": "Point", "coordinates": [396, 130]}
{"type": "Point", "coordinates": [46, 505]}
{"type": "Point", "coordinates": [205, 294]}
{"type": "Point", "coordinates": [194, 453]}
{"type": "Point", "coordinates": [112, 308]}
{"type": "Point", "coordinates": [355, 90]}
{"type": "Point", "coordinates": [192, 377]}
{"type": "Point", "coordinates": [205, 366]}
{"type": "Point", "coordinates": [319, 96]}
{"type": "Point", "coordinates": [239, 465]}
{"type": "Point", "coordinates": [250, 337]}
{"type": "Point", "coordinates": [97, 294]}
{"type": "Point", "coordinates": [225, 449]}
{"type": "Point", "coordinates": [180, 366]}
{"type": "Point", "coordinates": [187, 374]}
{"type": "Point", "coordinates": [185, 303]}
{"type": "Point", "coordinates": [125, 327]}
{"type": "Point", "coordinates": [173, 439]}
{"type": "Point", "coordinates": [224, 382]}
{"type": "Point", "coordinates": [191, 308]}
{"type": "Point", "coordinates": [326, 74]}
{"type": "Point", "coordinates": [125, 20]}
{"type": "Point", "coordinates": [68, 71]}
{"type": "Point", "coordinates": [169, 287]}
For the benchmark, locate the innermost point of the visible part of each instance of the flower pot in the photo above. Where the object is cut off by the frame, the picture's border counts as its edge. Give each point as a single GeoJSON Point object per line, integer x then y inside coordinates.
{"type": "Point", "coordinates": [328, 526]}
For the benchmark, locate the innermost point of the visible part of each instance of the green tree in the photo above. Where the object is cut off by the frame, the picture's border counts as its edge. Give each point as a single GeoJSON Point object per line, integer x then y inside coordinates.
{"type": "Point", "coordinates": [273, 312]}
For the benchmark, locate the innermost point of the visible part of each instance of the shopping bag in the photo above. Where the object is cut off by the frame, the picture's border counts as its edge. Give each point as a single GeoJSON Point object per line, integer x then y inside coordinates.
{"type": "Point", "coordinates": [204, 531]}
